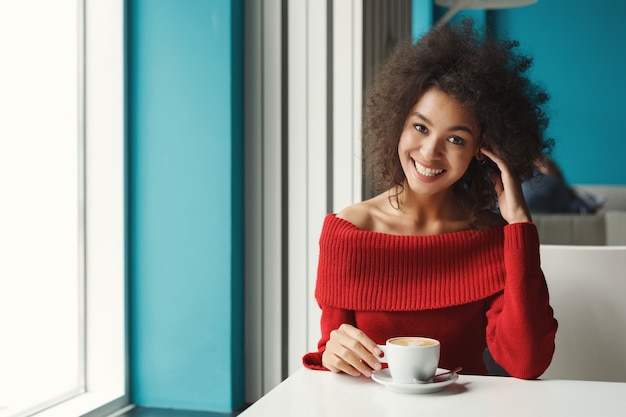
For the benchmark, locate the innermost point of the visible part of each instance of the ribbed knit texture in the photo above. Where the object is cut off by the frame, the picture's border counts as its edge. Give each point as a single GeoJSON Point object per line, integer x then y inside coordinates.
{"type": "Point", "coordinates": [469, 289]}
{"type": "Point", "coordinates": [369, 271]}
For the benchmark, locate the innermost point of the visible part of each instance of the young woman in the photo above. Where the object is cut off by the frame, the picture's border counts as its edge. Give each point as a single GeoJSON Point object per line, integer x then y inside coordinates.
{"type": "Point", "coordinates": [448, 249]}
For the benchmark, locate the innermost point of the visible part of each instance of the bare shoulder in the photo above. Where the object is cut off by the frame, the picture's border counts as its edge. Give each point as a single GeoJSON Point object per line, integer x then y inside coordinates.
{"type": "Point", "coordinates": [359, 214]}
{"type": "Point", "coordinates": [365, 215]}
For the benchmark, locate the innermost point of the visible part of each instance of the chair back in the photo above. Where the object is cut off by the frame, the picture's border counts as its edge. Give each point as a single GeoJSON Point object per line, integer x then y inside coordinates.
{"type": "Point", "coordinates": [587, 287]}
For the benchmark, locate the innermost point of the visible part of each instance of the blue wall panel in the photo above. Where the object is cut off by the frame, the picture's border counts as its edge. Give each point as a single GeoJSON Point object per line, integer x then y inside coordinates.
{"type": "Point", "coordinates": [580, 56]}
{"type": "Point", "coordinates": [186, 184]}
{"type": "Point", "coordinates": [579, 53]}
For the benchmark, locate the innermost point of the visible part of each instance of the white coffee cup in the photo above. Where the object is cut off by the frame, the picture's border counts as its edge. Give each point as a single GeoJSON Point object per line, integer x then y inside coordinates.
{"type": "Point", "coordinates": [411, 359]}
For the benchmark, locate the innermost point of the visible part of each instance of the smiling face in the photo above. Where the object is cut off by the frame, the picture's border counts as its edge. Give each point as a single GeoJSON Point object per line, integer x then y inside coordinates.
{"type": "Point", "coordinates": [437, 144]}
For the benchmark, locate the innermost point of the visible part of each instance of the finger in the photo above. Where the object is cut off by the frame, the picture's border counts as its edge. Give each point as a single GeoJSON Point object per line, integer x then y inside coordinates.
{"type": "Point", "coordinates": [337, 365]}
{"type": "Point", "coordinates": [496, 160]}
{"type": "Point", "coordinates": [491, 155]}
{"type": "Point", "coordinates": [500, 163]}
{"type": "Point", "coordinates": [361, 337]}
{"type": "Point", "coordinates": [354, 355]}
{"type": "Point", "coordinates": [497, 183]}
{"type": "Point", "coordinates": [340, 359]}
{"type": "Point", "coordinates": [362, 346]}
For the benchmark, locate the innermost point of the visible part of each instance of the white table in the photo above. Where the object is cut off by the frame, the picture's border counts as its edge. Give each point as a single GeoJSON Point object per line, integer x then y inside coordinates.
{"type": "Point", "coordinates": [321, 393]}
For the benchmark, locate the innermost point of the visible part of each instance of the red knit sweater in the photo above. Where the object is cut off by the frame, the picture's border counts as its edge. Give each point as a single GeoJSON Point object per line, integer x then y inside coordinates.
{"type": "Point", "coordinates": [469, 289]}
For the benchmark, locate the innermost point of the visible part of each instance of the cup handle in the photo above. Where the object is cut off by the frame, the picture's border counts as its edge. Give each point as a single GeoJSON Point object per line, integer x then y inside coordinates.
{"type": "Point", "coordinates": [384, 357]}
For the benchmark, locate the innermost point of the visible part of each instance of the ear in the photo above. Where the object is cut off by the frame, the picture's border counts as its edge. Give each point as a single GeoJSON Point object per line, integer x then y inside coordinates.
{"type": "Point", "coordinates": [480, 157]}
{"type": "Point", "coordinates": [478, 154]}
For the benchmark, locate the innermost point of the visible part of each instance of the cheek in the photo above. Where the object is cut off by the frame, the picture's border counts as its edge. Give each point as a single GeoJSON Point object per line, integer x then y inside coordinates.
{"type": "Point", "coordinates": [403, 143]}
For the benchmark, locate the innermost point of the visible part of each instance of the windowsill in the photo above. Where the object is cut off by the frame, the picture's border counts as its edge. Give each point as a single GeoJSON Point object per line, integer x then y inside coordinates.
{"type": "Point", "coordinates": [135, 411]}
{"type": "Point", "coordinates": [87, 404]}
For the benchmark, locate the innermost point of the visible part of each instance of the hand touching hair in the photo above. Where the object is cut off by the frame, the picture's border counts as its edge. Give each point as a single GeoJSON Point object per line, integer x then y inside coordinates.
{"type": "Point", "coordinates": [488, 77]}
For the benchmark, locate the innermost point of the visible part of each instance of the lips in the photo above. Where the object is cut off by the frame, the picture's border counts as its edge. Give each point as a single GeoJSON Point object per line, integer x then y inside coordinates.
{"type": "Point", "coordinates": [427, 172]}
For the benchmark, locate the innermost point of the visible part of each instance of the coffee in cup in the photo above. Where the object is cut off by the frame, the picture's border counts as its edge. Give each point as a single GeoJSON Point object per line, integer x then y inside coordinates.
{"type": "Point", "coordinates": [411, 359]}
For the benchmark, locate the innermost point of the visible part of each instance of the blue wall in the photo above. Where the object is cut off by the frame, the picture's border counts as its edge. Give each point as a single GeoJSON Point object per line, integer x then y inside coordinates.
{"type": "Point", "coordinates": [185, 81]}
{"type": "Point", "coordinates": [186, 177]}
{"type": "Point", "coordinates": [580, 55]}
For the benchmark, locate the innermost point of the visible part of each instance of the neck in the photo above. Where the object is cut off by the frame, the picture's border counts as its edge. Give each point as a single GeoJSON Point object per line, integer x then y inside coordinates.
{"type": "Point", "coordinates": [430, 213]}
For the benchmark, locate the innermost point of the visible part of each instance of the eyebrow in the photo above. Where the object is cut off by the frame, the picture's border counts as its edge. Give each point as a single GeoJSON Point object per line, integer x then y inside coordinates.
{"type": "Point", "coordinates": [453, 128]}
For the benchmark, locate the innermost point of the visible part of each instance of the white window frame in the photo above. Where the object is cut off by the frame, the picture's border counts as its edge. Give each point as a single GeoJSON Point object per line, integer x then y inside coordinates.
{"type": "Point", "coordinates": [314, 166]}
{"type": "Point", "coordinates": [103, 125]}
{"type": "Point", "coordinates": [311, 154]}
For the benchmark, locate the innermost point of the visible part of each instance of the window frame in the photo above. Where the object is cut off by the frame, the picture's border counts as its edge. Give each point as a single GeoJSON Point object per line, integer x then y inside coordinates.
{"type": "Point", "coordinates": [101, 106]}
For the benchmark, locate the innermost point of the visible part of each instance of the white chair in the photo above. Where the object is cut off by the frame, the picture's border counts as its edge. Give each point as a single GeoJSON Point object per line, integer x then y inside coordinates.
{"type": "Point", "coordinates": [607, 228]}
{"type": "Point", "coordinates": [587, 287]}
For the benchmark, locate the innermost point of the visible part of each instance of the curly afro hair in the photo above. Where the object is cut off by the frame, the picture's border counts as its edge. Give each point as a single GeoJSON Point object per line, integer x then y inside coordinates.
{"type": "Point", "coordinates": [488, 77]}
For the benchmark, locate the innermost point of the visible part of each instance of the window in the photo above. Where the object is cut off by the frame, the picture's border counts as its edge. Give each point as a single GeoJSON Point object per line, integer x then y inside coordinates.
{"type": "Point", "coordinates": [62, 319]}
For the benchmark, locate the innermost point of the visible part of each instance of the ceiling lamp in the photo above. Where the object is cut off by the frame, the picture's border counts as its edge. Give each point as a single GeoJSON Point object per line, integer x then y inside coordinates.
{"type": "Point", "coordinates": [456, 5]}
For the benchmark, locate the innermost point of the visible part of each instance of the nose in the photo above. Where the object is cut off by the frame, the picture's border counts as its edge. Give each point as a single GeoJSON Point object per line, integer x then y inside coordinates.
{"type": "Point", "coordinates": [429, 148]}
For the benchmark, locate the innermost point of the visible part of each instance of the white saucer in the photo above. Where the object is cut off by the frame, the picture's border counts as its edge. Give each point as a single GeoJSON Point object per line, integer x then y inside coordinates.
{"type": "Point", "coordinates": [384, 377]}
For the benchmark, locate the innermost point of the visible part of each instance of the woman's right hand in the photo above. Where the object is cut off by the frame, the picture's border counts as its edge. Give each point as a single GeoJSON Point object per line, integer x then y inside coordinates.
{"type": "Point", "coordinates": [349, 350]}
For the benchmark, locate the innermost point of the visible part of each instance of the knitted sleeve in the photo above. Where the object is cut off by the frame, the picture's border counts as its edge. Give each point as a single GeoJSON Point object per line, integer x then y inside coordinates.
{"type": "Point", "coordinates": [331, 319]}
{"type": "Point", "coordinates": [520, 322]}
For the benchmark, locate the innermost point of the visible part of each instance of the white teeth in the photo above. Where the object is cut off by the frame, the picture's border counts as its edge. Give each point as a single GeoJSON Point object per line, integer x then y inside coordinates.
{"type": "Point", "coordinates": [427, 172]}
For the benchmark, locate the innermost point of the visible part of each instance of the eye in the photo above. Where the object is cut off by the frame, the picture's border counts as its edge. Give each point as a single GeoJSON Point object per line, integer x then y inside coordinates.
{"type": "Point", "coordinates": [456, 140]}
{"type": "Point", "coordinates": [420, 128]}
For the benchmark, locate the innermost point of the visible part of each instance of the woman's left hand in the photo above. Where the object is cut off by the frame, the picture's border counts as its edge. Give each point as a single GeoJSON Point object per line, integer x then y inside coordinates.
{"type": "Point", "coordinates": [511, 201]}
